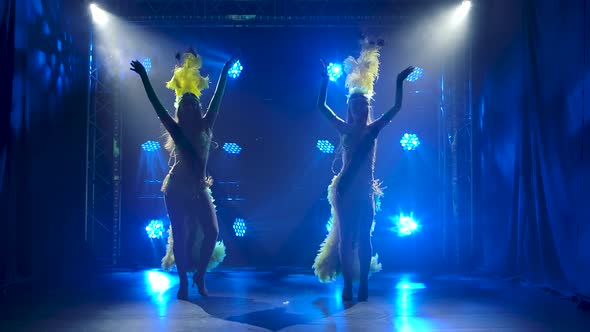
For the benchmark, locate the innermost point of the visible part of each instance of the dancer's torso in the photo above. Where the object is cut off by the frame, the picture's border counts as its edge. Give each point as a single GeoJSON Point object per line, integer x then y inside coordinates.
{"type": "Point", "coordinates": [186, 169]}
{"type": "Point", "coordinates": [357, 172]}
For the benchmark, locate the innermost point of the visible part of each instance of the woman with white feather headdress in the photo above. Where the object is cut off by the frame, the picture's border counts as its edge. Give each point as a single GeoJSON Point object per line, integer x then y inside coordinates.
{"type": "Point", "coordinates": [347, 249]}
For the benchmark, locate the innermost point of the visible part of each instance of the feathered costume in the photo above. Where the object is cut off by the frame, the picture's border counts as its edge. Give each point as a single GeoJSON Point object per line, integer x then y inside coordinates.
{"type": "Point", "coordinates": [361, 75]}
{"type": "Point", "coordinates": [187, 79]}
{"type": "Point", "coordinates": [216, 258]}
{"type": "Point", "coordinates": [362, 72]}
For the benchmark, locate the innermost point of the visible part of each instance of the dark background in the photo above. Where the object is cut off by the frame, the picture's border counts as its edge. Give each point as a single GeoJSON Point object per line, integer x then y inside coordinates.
{"type": "Point", "coordinates": [530, 121]}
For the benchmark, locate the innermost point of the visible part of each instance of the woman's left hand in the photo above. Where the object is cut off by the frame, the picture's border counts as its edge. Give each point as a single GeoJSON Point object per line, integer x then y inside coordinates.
{"type": "Point", "coordinates": [231, 62]}
{"type": "Point", "coordinates": [137, 67]}
{"type": "Point", "coordinates": [405, 73]}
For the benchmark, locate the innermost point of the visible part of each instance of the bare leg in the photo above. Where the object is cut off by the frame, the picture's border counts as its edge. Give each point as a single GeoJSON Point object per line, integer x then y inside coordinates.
{"type": "Point", "coordinates": [208, 220]}
{"type": "Point", "coordinates": [348, 219]}
{"type": "Point", "coordinates": [178, 215]}
{"type": "Point", "coordinates": [346, 259]}
{"type": "Point", "coordinates": [365, 252]}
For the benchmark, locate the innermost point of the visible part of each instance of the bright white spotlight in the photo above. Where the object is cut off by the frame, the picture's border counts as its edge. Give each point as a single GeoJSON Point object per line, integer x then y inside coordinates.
{"type": "Point", "coordinates": [99, 16]}
{"type": "Point", "coordinates": [404, 225]}
{"type": "Point", "coordinates": [462, 11]}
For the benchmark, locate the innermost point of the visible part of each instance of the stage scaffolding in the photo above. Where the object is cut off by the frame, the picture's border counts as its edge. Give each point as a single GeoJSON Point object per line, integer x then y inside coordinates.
{"type": "Point", "coordinates": [104, 126]}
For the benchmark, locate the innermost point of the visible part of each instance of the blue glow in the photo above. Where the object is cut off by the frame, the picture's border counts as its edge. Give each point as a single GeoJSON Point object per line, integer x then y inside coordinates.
{"type": "Point", "coordinates": [235, 70]}
{"type": "Point", "coordinates": [155, 229]}
{"type": "Point", "coordinates": [405, 225]}
{"type": "Point", "coordinates": [410, 285]}
{"type": "Point", "coordinates": [415, 75]}
{"type": "Point", "coordinates": [157, 282]}
{"type": "Point", "coordinates": [232, 148]}
{"type": "Point", "coordinates": [240, 227]}
{"type": "Point", "coordinates": [325, 146]}
{"type": "Point", "coordinates": [150, 146]}
{"type": "Point", "coordinates": [409, 142]}
{"type": "Point", "coordinates": [147, 63]}
{"type": "Point", "coordinates": [329, 224]}
{"type": "Point", "coordinates": [40, 57]}
{"type": "Point", "coordinates": [46, 30]}
{"type": "Point", "coordinates": [334, 71]}
{"type": "Point", "coordinates": [406, 318]}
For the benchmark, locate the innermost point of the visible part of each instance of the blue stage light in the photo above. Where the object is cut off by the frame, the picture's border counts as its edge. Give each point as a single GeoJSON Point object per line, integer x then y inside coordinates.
{"type": "Point", "coordinates": [147, 63]}
{"type": "Point", "coordinates": [240, 227]}
{"type": "Point", "coordinates": [232, 148]}
{"type": "Point", "coordinates": [410, 142]}
{"type": "Point", "coordinates": [155, 229]}
{"type": "Point", "coordinates": [158, 283]}
{"type": "Point", "coordinates": [334, 71]}
{"type": "Point", "coordinates": [150, 146]}
{"type": "Point", "coordinates": [404, 225]}
{"type": "Point", "coordinates": [235, 70]}
{"type": "Point", "coordinates": [329, 224]}
{"type": "Point", "coordinates": [415, 75]}
{"type": "Point", "coordinates": [325, 146]}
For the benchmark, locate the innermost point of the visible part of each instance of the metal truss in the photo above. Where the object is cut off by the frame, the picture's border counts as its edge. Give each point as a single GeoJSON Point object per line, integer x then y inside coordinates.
{"type": "Point", "coordinates": [103, 162]}
{"type": "Point", "coordinates": [266, 12]}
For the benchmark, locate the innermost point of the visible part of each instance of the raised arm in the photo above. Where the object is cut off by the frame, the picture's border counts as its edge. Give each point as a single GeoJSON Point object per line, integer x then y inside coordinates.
{"type": "Point", "coordinates": [169, 123]}
{"type": "Point", "coordinates": [337, 122]}
{"type": "Point", "coordinates": [213, 108]}
{"type": "Point", "coordinates": [381, 122]}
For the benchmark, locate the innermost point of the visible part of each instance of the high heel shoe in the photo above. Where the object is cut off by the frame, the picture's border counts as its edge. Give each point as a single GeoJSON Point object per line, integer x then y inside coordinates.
{"type": "Point", "coordinates": [347, 294]}
{"type": "Point", "coordinates": [363, 294]}
{"type": "Point", "coordinates": [199, 281]}
{"type": "Point", "coordinates": [182, 294]}
{"type": "Point", "coordinates": [182, 290]}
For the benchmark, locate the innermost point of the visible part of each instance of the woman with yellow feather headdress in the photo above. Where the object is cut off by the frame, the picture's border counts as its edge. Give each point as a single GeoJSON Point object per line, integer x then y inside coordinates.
{"type": "Point", "coordinates": [347, 248]}
{"type": "Point", "coordinates": [186, 187]}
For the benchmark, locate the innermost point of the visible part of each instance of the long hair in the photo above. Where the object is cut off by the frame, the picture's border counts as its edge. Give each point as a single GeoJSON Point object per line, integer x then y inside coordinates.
{"type": "Point", "coordinates": [187, 128]}
{"type": "Point", "coordinates": [338, 152]}
{"type": "Point", "coordinates": [187, 78]}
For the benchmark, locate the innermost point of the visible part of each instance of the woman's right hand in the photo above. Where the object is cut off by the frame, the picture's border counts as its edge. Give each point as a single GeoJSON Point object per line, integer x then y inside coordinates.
{"type": "Point", "coordinates": [137, 67]}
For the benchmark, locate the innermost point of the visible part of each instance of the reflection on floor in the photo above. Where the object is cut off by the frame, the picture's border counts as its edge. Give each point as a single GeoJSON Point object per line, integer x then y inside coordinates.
{"type": "Point", "coordinates": [286, 300]}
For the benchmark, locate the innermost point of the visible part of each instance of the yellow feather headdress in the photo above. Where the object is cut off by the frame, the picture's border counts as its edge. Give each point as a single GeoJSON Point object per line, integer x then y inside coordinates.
{"type": "Point", "coordinates": [364, 71]}
{"type": "Point", "coordinates": [187, 77]}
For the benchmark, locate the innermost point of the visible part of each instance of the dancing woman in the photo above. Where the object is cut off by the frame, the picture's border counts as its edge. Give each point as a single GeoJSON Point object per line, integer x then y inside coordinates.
{"type": "Point", "coordinates": [347, 249]}
{"type": "Point", "coordinates": [186, 187]}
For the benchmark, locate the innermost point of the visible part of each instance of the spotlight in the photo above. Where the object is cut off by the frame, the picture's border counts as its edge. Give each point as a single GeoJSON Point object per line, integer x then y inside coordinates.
{"type": "Point", "coordinates": [99, 16]}
{"type": "Point", "coordinates": [325, 146]}
{"type": "Point", "coordinates": [415, 75]}
{"type": "Point", "coordinates": [329, 224]}
{"type": "Point", "coordinates": [150, 146]}
{"type": "Point", "coordinates": [155, 229]}
{"type": "Point", "coordinates": [158, 282]}
{"type": "Point", "coordinates": [462, 11]}
{"type": "Point", "coordinates": [147, 63]}
{"type": "Point", "coordinates": [409, 142]}
{"type": "Point", "coordinates": [240, 227]}
{"type": "Point", "coordinates": [410, 285]}
{"type": "Point", "coordinates": [334, 71]}
{"type": "Point", "coordinates": [232, 148]}
{"type": "Point", "coordinates": [235, 70]}
{"type": "Point", "coordinates": [404, 225]}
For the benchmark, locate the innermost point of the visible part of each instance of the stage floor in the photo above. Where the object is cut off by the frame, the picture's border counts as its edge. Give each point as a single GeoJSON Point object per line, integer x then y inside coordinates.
{"type": "Point", "coordinates": [287, 300]}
